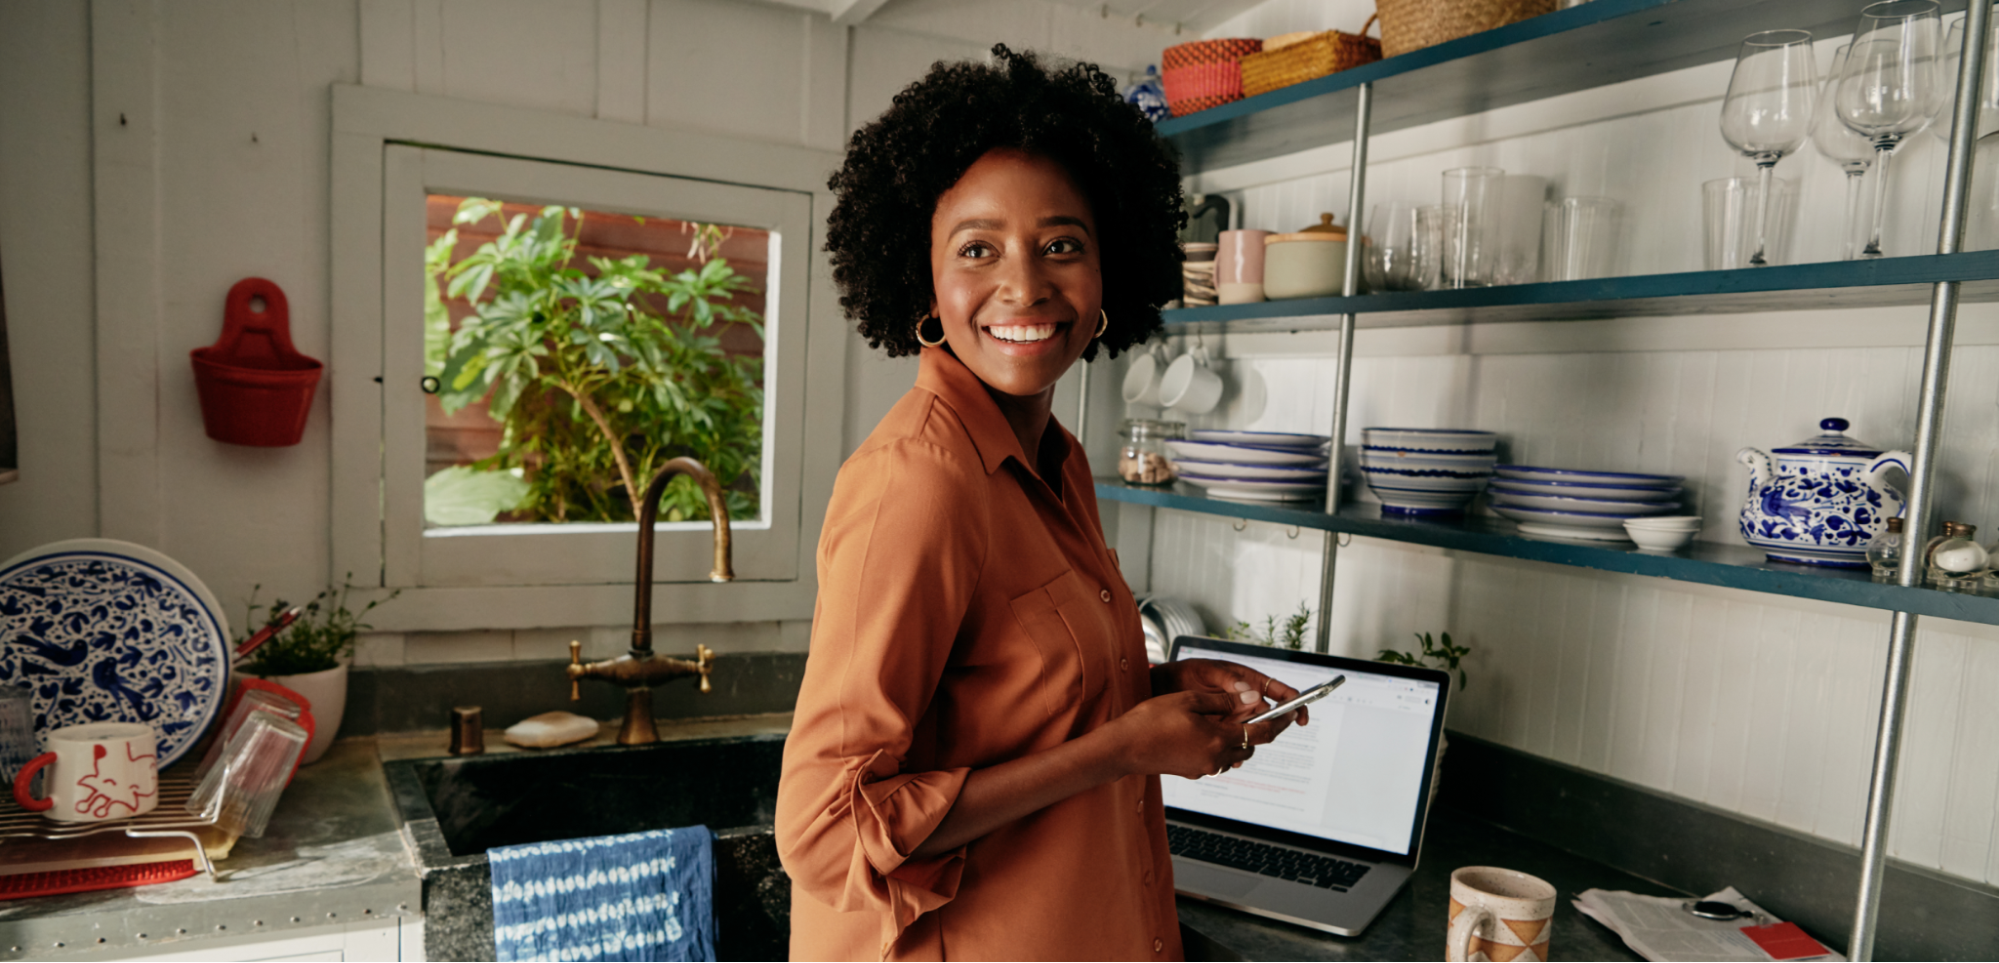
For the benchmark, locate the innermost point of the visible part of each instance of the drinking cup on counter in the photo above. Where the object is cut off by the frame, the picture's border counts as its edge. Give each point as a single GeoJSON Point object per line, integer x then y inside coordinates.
{"type": "Point", "coordinates": [1190, 385]}
{"type": "Point", "coordinates": [1521, 197]}
{"type": "Point", "coordinates": [1728, 210]}
{"type": "Point", "coordinates": [1499, 914]}
{"type": "Point", "coordinates": [1391, 249]}
{"type": "Point", "coordinates": [97, 771]}
{"type": "Point", "coordinates": [1472, 235]}
{"type": "Point", "coordinates": [1239, 267]}
{"type": "Point", "coordinates": [243, 787]}
{"type": "Point", "coordinates": [1581, 235]}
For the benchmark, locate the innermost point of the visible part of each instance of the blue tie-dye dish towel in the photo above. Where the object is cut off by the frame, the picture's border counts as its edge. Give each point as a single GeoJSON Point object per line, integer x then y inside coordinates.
{"type": "Point", "coordinates": [643, 896]}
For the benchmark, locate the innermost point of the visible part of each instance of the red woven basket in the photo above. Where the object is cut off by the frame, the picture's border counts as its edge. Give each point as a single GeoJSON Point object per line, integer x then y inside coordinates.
{"type": "Point", "coordinates": [256, 389]}
{"type": "Point", "coordinates": [1205, 73]}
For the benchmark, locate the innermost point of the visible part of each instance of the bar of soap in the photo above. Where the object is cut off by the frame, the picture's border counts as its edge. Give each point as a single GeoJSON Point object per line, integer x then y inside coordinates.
{"type": "Point", "coordinates": [551, 729]}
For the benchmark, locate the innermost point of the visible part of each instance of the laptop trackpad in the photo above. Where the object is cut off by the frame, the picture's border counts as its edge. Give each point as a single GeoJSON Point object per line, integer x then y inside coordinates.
{"type": "Point", "coordinates": [1212, 880]}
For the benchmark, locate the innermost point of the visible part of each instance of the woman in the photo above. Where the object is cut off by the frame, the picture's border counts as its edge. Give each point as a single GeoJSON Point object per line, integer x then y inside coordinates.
{"type": "Point", "coordinates": [973, 766]}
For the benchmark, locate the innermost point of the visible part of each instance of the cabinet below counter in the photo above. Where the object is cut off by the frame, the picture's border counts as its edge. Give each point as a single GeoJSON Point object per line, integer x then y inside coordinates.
{"type": "Point", "coordinates": [330, 875]}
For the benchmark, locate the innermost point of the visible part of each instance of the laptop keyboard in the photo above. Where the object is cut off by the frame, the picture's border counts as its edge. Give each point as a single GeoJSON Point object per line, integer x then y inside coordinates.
{"type": "Point", "coordinates": [1282, 862]}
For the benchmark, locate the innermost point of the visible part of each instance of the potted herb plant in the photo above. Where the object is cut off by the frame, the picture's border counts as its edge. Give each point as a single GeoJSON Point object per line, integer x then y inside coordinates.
{"type": "Point", "coordinates": [311, 656]}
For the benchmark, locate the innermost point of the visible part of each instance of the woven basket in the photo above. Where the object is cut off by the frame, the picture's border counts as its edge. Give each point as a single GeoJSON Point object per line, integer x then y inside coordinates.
{"type": "Point", "coordinates": [1316, 56]}
{"type": "Point", "coordinates": [1224, 51]}
{"type": "Point", "coordinates": [1202, 86]}
{"type": "Point", "coordinates": [1414, 24]}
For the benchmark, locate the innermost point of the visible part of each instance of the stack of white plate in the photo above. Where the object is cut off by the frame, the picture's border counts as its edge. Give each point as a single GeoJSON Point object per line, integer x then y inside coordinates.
{"type": "Point", "coordinates": [1263, 465]}
{"type": "Point", "coordinates": [1426, 471]}
{"type": "Point", "coordinates": [1567, 503]}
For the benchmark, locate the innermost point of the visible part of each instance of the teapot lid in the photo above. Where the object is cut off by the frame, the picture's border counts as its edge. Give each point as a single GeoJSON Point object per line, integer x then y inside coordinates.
{"type": "Point", "coordinates": [1833, 442]}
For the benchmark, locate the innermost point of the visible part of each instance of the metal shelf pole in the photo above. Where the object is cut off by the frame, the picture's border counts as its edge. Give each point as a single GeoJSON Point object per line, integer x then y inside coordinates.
{"type": "Point", "coordinates": [1922, 476]}
{"type": "Point", "coordinates": [1343, 379]}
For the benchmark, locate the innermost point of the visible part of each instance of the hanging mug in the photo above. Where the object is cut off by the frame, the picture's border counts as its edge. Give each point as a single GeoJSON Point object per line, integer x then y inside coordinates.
{"type": "Point", "coordinates": [97, 771]}
{"type": "Point", "coordinates": [1190, 385]}
{"type": "Point", "coordinates": [1141, 380]}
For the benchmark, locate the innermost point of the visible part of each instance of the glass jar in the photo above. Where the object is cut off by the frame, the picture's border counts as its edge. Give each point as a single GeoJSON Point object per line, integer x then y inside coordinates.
{"type": "Point", "coordinates": [1884, 553]}
{"type": "Point", "coordinates": [1953, 561]}
{"type": "Point", "coordinates": [1144, 459]}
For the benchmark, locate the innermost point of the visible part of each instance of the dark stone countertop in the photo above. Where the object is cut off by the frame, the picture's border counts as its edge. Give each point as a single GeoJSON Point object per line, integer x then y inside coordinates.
{"type": "Point", "coordinates": [1412, 927]}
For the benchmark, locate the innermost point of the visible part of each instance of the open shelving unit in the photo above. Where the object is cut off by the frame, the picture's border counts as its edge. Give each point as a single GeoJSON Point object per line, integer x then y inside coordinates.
{"type": "Point", "coordinates": [1585, 47]}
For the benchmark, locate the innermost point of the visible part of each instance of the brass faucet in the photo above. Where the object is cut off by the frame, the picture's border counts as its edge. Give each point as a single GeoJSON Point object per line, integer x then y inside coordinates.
{"type": "Point", "coordinates": [639, 669]}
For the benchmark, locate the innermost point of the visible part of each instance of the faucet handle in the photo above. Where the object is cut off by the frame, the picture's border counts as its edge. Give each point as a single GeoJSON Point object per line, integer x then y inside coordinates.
{"type": "Point", "coordinates": [704, 659]}
{"type": "Point", "coordinates": [575, 659]}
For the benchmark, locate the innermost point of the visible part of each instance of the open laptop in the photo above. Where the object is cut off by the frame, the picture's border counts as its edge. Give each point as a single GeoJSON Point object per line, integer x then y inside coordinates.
{"type": "Point", "coordinates": [1323, 825]}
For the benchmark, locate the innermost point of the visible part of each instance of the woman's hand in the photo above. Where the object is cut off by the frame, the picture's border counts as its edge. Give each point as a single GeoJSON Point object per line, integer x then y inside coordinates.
{"type": "Point", "coordinates": [1249, 687]}
{"type": "Point", "coordinates": [1182, 734]}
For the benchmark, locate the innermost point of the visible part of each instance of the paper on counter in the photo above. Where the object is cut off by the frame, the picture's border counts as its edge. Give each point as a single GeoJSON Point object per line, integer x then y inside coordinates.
{"type": "Point", "coordinates": [1658, 928]}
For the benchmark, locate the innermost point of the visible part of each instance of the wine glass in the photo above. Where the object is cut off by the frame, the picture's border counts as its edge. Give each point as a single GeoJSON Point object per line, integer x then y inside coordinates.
{"type": "Point", "coordinates": [1853, 153]}
{"type": "Point", "coordinates": [1768, 110]}
{"type": "Point", "coordinates": [1889, 87]}
{"type": "Point", "coordinates": [1988, 87]}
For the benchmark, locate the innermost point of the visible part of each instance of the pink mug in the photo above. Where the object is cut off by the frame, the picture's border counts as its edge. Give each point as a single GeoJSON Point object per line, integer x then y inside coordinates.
{"type": "Point", "coordinates": [1239, 267]}
{"type": "Point", "coordinates": [97, 771]}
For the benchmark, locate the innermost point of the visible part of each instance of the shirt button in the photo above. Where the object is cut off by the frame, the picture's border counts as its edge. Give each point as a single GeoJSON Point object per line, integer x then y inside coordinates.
{"type": "Point", "coordinates": [1148, 879]}
{"type": "Point", "coordinates": [1105, 595]}
{"type": "Point", "coordinates": [1158, 946]}
{"type": "Point", "coordinates": [1123, 662]}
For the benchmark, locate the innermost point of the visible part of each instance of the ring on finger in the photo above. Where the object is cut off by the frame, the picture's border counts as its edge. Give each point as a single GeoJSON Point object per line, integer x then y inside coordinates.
{"type": "Point", "coordinates": [1245, 737]}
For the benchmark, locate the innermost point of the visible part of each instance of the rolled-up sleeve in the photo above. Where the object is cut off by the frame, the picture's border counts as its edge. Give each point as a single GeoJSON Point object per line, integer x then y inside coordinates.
{"type": "Point", "coordinates": [900, 557]}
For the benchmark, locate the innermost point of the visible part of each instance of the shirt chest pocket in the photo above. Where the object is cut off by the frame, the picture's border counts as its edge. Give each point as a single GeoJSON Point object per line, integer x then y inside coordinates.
{"type": "Point", "coordinates": [1072, 628]}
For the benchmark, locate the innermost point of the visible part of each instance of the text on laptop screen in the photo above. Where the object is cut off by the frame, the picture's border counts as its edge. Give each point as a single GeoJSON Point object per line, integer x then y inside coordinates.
{"type": "Point", "coordinates": [1351, 776]}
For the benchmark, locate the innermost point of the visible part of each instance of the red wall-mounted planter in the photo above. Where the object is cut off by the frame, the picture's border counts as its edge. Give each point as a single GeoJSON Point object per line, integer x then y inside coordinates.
{"type": "Point", "coordinates": [256, 389]}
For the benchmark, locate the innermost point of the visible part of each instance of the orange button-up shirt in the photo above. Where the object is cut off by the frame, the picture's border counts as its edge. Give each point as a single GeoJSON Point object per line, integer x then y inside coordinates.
{"type": "Point", "coordinates": [969, 613]}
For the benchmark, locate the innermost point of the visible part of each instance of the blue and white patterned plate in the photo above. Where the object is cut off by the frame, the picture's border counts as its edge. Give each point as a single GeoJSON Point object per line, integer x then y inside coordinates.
{"type": "Point", "coordinates": [108, 631]}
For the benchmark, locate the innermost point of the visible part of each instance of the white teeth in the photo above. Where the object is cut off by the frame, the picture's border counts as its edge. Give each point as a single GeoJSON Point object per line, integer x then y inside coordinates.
{"type": "Point", "coordinates": [1023, 333]}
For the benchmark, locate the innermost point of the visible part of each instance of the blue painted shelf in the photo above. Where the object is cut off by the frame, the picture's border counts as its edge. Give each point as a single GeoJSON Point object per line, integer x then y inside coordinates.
{"type": "Point", "coordinates": [1592, 45]}
{"type": "Point", "coordinates": [1706, 563]}
{"type": "Point", "coordinates": [1883, 282]}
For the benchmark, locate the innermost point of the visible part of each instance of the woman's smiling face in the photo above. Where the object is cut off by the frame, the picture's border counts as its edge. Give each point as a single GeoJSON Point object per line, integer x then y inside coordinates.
{"type": "Point", "coordinates": [1015, 272]}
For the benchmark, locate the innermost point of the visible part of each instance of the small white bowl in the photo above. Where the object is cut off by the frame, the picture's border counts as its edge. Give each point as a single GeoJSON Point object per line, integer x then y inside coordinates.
{"type": "Point", "coordinates": [1669, 523]}
{"type": "Point", "coordinates": [1658, 539]}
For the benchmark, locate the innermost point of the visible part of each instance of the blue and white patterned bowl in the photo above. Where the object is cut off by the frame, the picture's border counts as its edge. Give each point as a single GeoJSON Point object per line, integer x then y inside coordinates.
{"type": "Point", "coordinates": [1442, 441]}
{"type": "Point", "coordinates": [108, 631]}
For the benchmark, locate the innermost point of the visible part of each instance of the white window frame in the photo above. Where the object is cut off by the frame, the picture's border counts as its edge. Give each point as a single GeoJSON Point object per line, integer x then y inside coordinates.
{"type": "Point", "coordinates": [390, 150]}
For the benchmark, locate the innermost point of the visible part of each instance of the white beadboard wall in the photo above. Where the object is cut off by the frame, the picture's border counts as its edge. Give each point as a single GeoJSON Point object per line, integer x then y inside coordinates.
{"type": "Point", "coordinates": [1754, 704]}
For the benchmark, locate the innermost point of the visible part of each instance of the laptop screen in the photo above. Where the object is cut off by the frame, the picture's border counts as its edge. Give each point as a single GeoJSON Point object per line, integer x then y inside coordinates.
{"type": "Point", "coordinates": [1355, 775]}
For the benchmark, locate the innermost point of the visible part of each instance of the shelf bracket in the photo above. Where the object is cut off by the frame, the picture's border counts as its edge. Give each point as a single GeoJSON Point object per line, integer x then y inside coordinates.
{"type": "Point", "coordinates": [1922, 476]}
{"type": "Point", "coordinates": [1343, 379]}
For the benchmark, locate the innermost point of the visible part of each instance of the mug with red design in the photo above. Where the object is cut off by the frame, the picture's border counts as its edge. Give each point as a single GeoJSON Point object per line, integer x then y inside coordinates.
{"type": "Point", "coordinates": [97, 771]}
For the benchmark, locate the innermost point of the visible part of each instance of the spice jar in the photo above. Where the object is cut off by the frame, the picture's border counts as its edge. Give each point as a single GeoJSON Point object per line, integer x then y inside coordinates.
{"type": "Point", "coordinates": [1884, 553]}
{"type": "Point", "coordinates": [1953, 560]}
{"type": "Point", "coordinates": [1143, 460]}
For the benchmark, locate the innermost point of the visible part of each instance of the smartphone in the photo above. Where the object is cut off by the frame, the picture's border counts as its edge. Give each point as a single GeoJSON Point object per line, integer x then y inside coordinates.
{"type": "Point", "coordinates": [1304, 699]}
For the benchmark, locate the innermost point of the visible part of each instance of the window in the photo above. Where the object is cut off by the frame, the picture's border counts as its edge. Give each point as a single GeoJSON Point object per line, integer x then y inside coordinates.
{"type": "Point", "coordinates": [549, 544]}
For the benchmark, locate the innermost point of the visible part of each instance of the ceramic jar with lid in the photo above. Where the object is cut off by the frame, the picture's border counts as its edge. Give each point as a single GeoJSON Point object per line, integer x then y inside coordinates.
{"type": "Point", "coordinates": [1143, 459]}
{"type": "Point", "coordinates": [1953, 561]}
{"type": "Point", "coordinates": [1822, 500]}
{"type": "Point", "coordinates": [1884, 553]}
{"type": "Point", "coordinates": [1310, 263]}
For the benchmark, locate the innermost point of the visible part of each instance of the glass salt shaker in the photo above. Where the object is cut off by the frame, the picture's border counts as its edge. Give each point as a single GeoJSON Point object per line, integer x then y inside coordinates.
{"type": "Point", "coordinates": [1884, 553]}
{"type": "Point", "coordinates": [1143, 460]}
{"type": "Point", "coordinates": [1955, 562]}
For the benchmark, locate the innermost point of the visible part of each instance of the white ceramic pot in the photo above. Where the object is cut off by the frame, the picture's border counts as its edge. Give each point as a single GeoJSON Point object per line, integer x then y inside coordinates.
{"type": "Point", "coordinates": [326, 691]}
{"type": "Point", "coordinates": [1304, 265]}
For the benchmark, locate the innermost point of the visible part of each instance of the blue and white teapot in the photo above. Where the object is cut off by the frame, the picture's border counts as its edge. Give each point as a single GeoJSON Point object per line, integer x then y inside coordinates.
{"type": "Point", "coordinates": [1823, 501]}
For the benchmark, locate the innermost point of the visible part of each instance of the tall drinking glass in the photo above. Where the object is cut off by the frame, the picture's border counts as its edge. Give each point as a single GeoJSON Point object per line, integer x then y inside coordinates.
{"type": "Point", "coordinates": [1391, 263]}
{"type": "Point", "coordinates": [1890, 86]}
{"type": "Point", "coordinates": [1581, 238]}
{"type": "Point", "coordinates": [1853, 153]}
{"type": "Point", "coordinates": [1471, 230]}
{"type": "Point", "coordinates": [1768, 110]}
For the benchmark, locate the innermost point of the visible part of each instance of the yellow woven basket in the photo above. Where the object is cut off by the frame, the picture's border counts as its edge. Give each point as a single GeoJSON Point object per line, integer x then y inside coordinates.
{"type": "Point", "coordinates": [1315, 56]}
{"type": "Point", "coordinates": [1414, 24]}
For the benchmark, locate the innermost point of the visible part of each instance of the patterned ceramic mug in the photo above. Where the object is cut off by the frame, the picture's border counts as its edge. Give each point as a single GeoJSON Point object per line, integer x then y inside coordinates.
{"type": "Point", "coordinates": [101, 770]}
{"type": "Point", "coordinates": [1499, 914]}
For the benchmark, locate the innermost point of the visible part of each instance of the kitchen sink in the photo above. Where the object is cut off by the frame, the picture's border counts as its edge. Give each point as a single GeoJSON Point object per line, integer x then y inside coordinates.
{"type": "Point", "coordinates": [454, 809]}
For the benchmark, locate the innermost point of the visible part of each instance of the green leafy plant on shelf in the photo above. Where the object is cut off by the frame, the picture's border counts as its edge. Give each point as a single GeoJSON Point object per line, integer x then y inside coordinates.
{"type": "Point", "coordinates": [1288, 634]}
{"type": "Point", "coordinates": [322, 637]}
{"type": "Point", "coordinates": [599, 376]}
{"type": "Point", "coordinates": [1439, 654]}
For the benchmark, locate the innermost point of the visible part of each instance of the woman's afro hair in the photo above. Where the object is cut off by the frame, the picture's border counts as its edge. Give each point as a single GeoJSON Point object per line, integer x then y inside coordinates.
{"type": "Point", "coordinates": [898, 166]}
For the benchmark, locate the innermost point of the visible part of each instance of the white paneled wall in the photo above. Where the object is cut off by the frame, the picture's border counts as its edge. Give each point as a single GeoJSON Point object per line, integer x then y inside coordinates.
{"type": "Point", "coordinates": [1758, 705]}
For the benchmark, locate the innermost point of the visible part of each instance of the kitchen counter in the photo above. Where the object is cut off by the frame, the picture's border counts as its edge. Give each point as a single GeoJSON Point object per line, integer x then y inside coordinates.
{"type": "Point", "coordinates": [332, 856]}
{"type": "Point", "coordinates": [1412, 927]}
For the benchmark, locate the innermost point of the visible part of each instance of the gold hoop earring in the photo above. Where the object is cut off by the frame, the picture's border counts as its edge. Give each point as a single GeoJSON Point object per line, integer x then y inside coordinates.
{"type": "Point", "coordinates": [920, 339]}
{"type": "Point", "coordinates": [1105, 325]}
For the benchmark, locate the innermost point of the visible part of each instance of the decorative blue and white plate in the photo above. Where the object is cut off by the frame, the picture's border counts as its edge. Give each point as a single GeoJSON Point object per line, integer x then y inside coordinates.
{"type": "Point", "coordinates": [1268, 439]}
{"type": "Point", "coordinates": [1246, 454]}
{"type": "Point", "coordinates": [108, 631]}
{"type": "Point", "coordinates": [1223, 471]}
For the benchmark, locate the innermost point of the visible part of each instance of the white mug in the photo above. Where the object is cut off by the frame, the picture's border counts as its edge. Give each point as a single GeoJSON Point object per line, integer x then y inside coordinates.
{"type": "Point", "coordinates": [97, 771]}
{"type": "Point", "coordinates": [1141, 380]}
{"type": "Point", "coordinates": [1190, 385]}
{"type": "Point", "coordinates": [1499, 914]}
